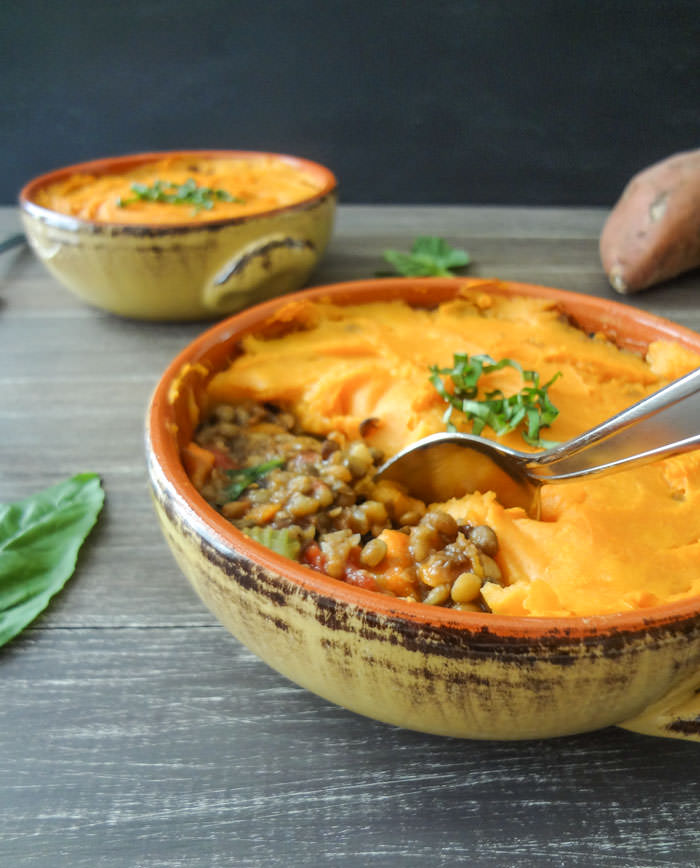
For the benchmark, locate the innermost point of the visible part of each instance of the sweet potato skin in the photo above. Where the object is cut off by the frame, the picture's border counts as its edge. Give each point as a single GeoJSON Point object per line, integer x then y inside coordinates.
{"type": "Point", "coordinates": [653, 232]}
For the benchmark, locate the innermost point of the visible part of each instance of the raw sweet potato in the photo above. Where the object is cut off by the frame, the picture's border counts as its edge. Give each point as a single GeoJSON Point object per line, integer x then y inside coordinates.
{"type": "Point", "coordinates": [653, 232]}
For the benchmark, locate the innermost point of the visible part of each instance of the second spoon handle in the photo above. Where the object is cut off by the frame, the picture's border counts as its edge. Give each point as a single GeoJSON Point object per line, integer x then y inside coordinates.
{"type": "Point", "coordinates": [663, 424]}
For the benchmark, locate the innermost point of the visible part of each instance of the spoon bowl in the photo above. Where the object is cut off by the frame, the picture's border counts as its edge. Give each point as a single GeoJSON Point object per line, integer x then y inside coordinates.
{"type": "Point", "coordinates": [441, 466]}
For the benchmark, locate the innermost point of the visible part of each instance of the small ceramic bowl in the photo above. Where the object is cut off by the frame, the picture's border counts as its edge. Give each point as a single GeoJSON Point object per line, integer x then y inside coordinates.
{"type": "Point", "coordinates": [185, 271]}
{"type": "Point", "coordinates": [463, 674]}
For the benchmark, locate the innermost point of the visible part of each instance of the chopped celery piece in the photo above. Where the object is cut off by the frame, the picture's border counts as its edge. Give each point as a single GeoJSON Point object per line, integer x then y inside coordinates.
{"type": "Point", "coordinates": [280, 540]}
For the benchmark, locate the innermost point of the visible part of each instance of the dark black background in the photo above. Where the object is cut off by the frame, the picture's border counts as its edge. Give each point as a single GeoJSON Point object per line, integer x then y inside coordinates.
{"type": "Point", "coordinates": [548, 102]}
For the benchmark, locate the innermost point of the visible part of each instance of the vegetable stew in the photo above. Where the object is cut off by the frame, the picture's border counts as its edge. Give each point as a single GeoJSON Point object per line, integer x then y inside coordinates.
{"type": "Point", "coordinates": [315, 499]}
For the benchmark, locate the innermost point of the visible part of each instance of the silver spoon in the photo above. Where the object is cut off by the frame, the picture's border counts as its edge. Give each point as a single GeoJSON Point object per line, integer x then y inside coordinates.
{"type": "Point", "coordinates": [447, 465]}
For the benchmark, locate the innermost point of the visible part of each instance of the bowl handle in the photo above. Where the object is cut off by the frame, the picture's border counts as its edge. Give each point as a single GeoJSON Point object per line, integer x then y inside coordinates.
{"type": "Point", "coordinates": [675, 715]}
{"type": "Point", "coordinates": [267, 267]}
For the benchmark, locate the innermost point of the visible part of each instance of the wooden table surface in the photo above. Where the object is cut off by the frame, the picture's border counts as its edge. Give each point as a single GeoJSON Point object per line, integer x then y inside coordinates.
{"type": "Point", "coordinates": [134, 731]}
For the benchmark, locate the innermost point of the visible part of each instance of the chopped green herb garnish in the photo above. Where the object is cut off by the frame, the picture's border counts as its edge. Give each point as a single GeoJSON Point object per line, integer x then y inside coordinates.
{"type": "Point", "coordinates": [429, 257]}
{"type": "Point", "coordinates": [530, 408]}
{"type": "Point", "coordinates": [245, 476]}
{"type": "Point", "coordinates": [189, 193]}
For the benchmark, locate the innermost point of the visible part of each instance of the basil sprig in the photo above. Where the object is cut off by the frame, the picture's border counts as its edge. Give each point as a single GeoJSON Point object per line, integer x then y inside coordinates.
{"type": "Point", "coordinates": [429, 257]}
{"type": "Point", "coordinates": [530, 408]}
{"type": "Point", "coordinates": [189, 193]}
{"type": "Point", "coordinates": [39, 542]}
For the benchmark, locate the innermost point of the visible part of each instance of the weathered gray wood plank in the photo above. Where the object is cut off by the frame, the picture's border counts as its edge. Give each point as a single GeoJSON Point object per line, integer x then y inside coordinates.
{"type": "Point", "coordinates": [178, 748]}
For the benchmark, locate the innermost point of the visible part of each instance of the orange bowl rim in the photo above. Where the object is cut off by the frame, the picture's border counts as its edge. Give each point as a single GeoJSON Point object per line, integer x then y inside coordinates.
{"type": "Point", "coordinates": [111, 165]}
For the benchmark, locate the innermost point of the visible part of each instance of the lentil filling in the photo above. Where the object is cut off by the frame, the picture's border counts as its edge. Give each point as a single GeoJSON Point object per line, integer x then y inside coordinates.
{"type": "Point", "coordinates": [315, 499]}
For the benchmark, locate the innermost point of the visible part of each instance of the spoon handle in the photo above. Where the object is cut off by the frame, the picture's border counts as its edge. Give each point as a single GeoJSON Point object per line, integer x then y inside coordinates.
{"type": "Point", "coordinates": [663, 424]}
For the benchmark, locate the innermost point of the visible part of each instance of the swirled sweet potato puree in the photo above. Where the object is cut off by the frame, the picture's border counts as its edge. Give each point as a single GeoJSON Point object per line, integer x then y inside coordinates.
{"type": "Point", "coordinates": [256, 184]}
{"type": "Point", "coordinates": [622, 542]}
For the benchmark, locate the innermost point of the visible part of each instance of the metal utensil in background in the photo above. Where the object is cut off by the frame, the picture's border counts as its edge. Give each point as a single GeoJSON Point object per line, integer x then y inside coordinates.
{"type": "Point", "coordinates": [12, 241]}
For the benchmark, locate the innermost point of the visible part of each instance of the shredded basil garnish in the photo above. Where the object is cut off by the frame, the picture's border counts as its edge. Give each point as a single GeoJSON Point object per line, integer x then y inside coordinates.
{"type": "Point", "coordinates": [189, 193]}
{"type": "Point", "coordinates": [530, 408]}
{"type": "Point", "coordinates": [245, 476]}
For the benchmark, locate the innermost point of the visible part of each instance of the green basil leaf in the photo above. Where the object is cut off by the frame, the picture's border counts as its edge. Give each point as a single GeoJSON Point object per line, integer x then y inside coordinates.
{"type": "Point", "coordinates": [39, 542]}
{"type": "Point", "coordinates": [429, 257]}
{"type": "Point", "coordinates": [439, 252]}
{"type": "Point", "coordinates": [408, 265]}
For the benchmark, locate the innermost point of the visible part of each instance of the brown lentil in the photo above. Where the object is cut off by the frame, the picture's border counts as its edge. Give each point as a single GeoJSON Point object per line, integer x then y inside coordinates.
{"type": "Point", "coordinates": [373, 552]}
{"type": "Point", "coordinates": [466, 587]}
{"type": "Point", "coordinates": [484, 537]}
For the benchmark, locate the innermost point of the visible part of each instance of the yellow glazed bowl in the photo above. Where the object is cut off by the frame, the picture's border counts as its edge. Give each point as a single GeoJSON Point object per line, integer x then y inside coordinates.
{"type": "Point", "coordinates": [463, 674]}
{"type": "Point", "coordinates": [187, 271]}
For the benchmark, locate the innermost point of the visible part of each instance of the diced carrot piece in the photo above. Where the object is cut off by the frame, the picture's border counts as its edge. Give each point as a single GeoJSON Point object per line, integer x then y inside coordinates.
{"type": "Point", "coordinates": [313, 556]}
{"type": "Point", "coordinates": [399, 582]}
{"type": "Point", "coordinates": [263, 512]}
{"type": "Point", "coordinates": [222, 459]}
{"type": "Point", "coordinates": [359, 577]}
{"type": "Point", "coordinates": [397, 552]}
{"type": "Point", "coordinates": [199, 463]}
{"type": "Point", "coordinates": [396, 570]}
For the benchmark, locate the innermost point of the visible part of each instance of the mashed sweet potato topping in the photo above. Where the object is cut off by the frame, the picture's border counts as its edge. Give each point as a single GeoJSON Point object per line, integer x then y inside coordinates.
{"type": "Point", "coordinates": [252, 185]}
{"type": "Point", "coordinates": [627, 541]}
